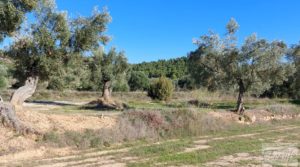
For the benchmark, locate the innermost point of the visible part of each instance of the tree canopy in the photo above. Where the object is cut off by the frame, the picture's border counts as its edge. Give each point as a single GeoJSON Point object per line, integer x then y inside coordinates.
{"type": "Point", "coordinates": [111, 66]}
{"type": "Point", "coordinates": [12, 14]}
{"type": "Point", "coordinates": [53, 38]}
{"type": "Point", "coordinates": [295, 55]}
{"type": "Point", "coordinates": [253, 67]}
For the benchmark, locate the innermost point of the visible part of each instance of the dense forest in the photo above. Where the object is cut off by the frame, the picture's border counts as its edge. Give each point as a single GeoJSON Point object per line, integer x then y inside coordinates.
{"type": "Point", "coordinates": [173, 68]}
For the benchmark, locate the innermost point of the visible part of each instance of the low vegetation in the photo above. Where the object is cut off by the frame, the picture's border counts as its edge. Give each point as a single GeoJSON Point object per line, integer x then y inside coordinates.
{"type": "Point", "coordinates": [161, 89]}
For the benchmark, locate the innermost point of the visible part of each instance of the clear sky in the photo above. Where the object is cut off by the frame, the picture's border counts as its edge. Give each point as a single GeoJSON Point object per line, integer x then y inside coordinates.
{"type": "Point", "coordinates": [161, 29]}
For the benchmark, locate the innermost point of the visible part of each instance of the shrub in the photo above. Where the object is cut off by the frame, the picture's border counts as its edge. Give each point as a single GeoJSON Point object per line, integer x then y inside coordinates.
{"type": "Point", "coordinates": [120, 84]}
{"type": "Point", "coordinates": [161, 89]}
{"type": "Point", "coordinates": [138, 81]}
{"type": "Point", "coordinates": [186, 83]}
{"type": "Point", "coordinates": [56, 83]}
{"type": "Point", "coordinates": [120, 87]}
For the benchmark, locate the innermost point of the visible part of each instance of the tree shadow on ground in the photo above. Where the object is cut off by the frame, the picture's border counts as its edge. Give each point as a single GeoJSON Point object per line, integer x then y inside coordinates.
{"type": "Point", "coordinates": [56, 103]}
{"type": "Point", "coordinates": [99, 107]}
{"type": "Point", "coordinates": [296, 102]}
{"type": "Point", "coordinates": [223, 106]}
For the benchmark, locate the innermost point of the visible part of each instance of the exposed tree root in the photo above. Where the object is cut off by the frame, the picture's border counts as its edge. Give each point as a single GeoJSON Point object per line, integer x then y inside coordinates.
{"type": "Point", "coordinates": [110, 104]}
{"type": "Point", "coordinates": [9, 119]}
{"type": "Point", "coordinates": [8, 116]}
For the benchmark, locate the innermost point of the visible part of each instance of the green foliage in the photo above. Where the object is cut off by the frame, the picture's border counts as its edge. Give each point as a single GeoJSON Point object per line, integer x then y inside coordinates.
{"type": "Point", "coordinates": [291, 87]}
{"type": "Point", "coordinates": [138, 81]}
{"type": "Point", "coordinates": [74, 75]}
{"type": "Point", "coordinates": [173, 68]}
{"type": "Point", "coordinates": [53, 48]}
{"type": "Point", "coordinates": [110, 67]}
{"type": "Point", "coordinates": [3, 76]}
{"type": "Point", "coordinates": [89, 31]}
{"type": "Point", "coordinates": [120, 84]}
{"type": "Point", "coordinates": [220, 64]}
{"type": "Point", "coordinates": [186, 83]}
{"type": "Point", "coordinates": [37, 54]}
{"type": "Point", "coordinates": [12, 15]}
{"type": "Point", "coordinates": [161, 89]}
{"type": "Point", "coordinates": [295, 55]}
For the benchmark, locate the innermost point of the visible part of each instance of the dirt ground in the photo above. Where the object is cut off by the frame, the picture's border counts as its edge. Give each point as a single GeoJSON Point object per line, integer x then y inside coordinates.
{"type": "Point", "coordinates": [25, 149]}
{"type": "Point", "coordinates": [47, 122]}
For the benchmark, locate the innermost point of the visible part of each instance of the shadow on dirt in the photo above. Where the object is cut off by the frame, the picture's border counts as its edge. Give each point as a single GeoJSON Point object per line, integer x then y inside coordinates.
{"type": "Point", "coordinates": [56, 103]}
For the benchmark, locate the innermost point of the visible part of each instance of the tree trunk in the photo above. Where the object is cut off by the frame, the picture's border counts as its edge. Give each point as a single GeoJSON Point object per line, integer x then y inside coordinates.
{"type": "Point", "coordinates": [24, 92]}
{"type": "Point", "coordinates": [8, 116]}
{"type": "Point", "coordinates": [106, 91]}
{"type": "Point", "coordinates": [9, 119]}
{"type": "Point", "coordinates": [240, 102]}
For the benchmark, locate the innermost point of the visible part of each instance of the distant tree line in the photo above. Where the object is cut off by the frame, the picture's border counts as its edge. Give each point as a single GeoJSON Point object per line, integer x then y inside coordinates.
{"type": "Point", "coordinates": [173, 68]}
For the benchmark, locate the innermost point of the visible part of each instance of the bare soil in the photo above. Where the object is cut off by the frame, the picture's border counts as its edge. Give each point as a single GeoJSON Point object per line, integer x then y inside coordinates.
{"type": "Point", "coordinates": [24, 147]}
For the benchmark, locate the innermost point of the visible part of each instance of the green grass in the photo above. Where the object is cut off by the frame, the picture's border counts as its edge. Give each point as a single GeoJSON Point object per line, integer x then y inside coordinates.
{"type": "Point", "coordinates": [168, 154]}
{"type": "Point", "coordinates": [218, 149]}
{"type": "Point", "coordinates": [161, 149]}
{"type": "Point", "coordinates": [171, 156]}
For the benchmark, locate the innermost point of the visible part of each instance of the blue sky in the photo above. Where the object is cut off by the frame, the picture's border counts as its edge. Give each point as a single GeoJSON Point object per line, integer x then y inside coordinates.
{"type": "Point", "coordinates": [161, 29]}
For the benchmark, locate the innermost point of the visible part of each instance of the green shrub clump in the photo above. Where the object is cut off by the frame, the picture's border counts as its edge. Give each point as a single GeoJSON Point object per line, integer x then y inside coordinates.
{"type": "Point", "coordinates": [161, 89]}
{"type": "Point", "coordinates": [138, 81]}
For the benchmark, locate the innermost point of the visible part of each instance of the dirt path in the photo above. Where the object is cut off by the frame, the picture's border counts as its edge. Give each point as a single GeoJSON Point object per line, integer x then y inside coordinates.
{"type": "Point", "coordinates": [120, 157]}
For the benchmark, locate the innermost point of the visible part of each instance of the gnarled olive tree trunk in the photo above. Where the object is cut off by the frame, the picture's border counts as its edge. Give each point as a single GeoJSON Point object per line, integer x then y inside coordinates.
{"type": "Point", "coordinates": [7, 110]}
{"type": "Point", "coordinates": [24, 92]}
{"type": "Point", "coordinates": [9, 119]}
{"type": "Point", "coordinates": [106, 93]}
{"type": "Point", "coordinates": [240, 102]}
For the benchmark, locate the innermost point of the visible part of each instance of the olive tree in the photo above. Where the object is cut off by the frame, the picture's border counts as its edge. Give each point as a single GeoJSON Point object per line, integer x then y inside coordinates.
{"type": "Point", "coordinates": [46, 47]}
{"type": "Point", "coordinates": [51, 42]}
{"type": "Point", "coordinates": [41, 51]}
{"type": "Point", "coordinates": [111, 66]}
{"type": "Point", "coordinates": [12, 14]}
{"type": "Point", "coordinates": [220, 63]}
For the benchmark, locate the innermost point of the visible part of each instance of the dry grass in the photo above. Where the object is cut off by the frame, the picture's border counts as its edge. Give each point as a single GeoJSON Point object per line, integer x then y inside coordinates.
{"type": "Point", "coordinates": [282, 109]}
{"type": "Point", "coordinates": [142, 125]}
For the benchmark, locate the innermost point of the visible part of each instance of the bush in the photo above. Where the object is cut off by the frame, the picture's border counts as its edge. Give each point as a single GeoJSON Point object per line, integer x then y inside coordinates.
{"type": "Point", "coordinates": [186, 83]}
{"type": "Point", "coordinates": [161, 89]}
{"type": "Point", "coordinates": [138, 81]}
{"type": "Point", "coordinates": [56, 83]}
{"type": "Point", "coordinates": [120, 86]}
